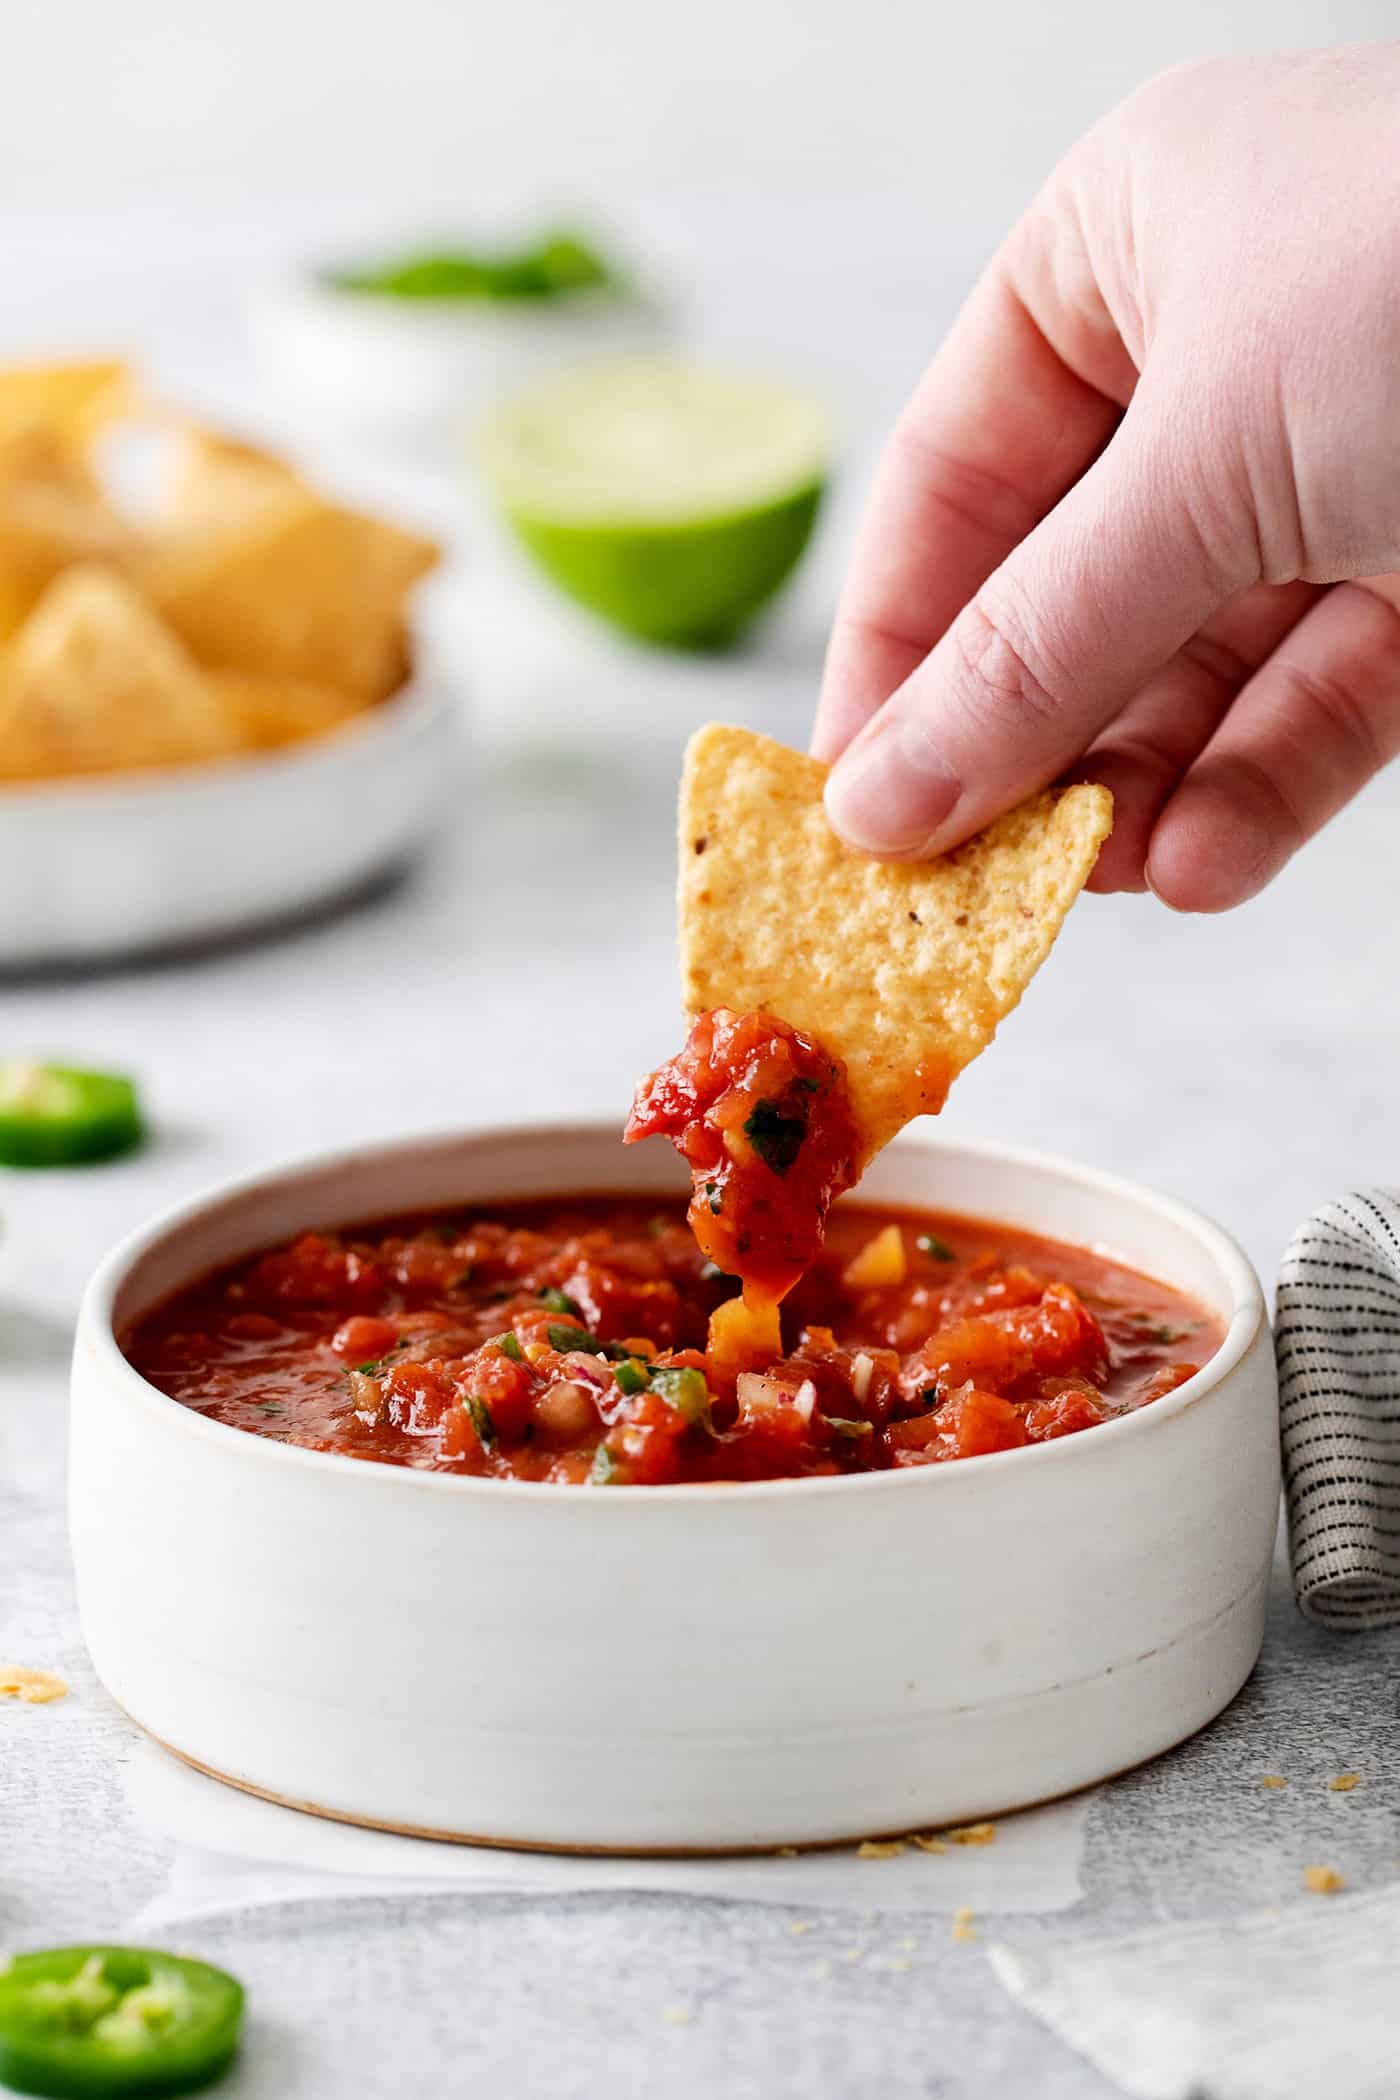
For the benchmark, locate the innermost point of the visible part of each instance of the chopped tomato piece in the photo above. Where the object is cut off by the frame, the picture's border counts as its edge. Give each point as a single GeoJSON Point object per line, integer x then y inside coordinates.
{"type": "Point", "coordinates": [360, 1338]}
{"type": "Point", "coordinates": [1062, 1414]}
{"type": "Point", "coordinates": [572, 1342]}
{"type": "Point", "coordinates": [762, 1115]}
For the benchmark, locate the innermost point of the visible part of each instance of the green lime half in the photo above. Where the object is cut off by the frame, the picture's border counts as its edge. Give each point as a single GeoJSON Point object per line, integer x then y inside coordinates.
{"type": "Point", "coordinates": [672, 499]}
{"type": "Point", "coordinates": [57, 1116]}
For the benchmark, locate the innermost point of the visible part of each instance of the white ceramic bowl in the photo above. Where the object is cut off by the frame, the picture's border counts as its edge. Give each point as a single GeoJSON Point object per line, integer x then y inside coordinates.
{"type": "Point", "coordinates": [124, 863]}
{"type": "Point", "coordinates": [684, 1667]}
{"type": "Point", "coordinates": [417, 368]}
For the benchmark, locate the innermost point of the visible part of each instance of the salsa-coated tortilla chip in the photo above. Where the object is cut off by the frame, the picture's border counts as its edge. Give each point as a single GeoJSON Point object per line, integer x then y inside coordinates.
{"type": "Point", "coordinates": [903, 970]}
{"type": "Point", "coordinates": [292, 587]}
{"type": "Point", "coordinates": [94, 683]}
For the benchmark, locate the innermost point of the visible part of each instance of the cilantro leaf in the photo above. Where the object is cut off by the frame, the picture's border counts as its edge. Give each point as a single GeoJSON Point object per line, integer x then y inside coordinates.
{"type": "Point", "coordinates": [775, 1137]}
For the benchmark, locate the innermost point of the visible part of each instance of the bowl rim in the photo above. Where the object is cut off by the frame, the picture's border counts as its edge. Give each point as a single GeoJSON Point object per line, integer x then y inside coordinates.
{"type": "Point", "coordinates": [307, 296]}
{"type": "Point", "coordinates": [422, 699]}
{"type": "Point", "coordinates": [95, 1331]}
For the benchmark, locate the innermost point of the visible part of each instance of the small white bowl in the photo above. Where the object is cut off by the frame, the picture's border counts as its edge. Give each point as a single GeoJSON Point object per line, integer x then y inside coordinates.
{"type": "Point", "coordinates": [124, 863]}
{"type": "Point", "coordinates": [417, 368]}
{"type": "Point", "coordinates": [677, 1668]}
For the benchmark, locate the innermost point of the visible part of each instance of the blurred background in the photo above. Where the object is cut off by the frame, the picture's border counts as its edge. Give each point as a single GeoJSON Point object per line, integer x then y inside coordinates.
{"type": "Point", "coordinates": [796, 187]}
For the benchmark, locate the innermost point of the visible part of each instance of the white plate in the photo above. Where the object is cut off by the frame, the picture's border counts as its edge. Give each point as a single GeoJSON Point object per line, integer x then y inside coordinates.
{"type": "Point", "coordinates": [671, 1668]}
{"type": "Point", "coordinates": [116, 864]}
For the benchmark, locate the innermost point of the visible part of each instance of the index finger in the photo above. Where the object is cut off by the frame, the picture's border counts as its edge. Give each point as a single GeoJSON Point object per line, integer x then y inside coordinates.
{"type": "Point", "coordinates": [1023, 395]}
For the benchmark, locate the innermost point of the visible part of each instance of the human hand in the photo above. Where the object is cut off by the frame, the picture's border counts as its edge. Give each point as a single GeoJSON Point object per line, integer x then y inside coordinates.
{"type": "Point", "coordinates": [1140, 520]}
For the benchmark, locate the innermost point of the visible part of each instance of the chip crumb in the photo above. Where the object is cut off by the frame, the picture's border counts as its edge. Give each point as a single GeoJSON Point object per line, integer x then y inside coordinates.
{"type": "Point", "coordinates": [880, 1848]}
{"type": "Point", "coordinates": [908, 1946]}
{"type": "Point", "coordinates": [1344, 1783]}
{"type": "Point", "coordinates": [787, 1852]}
{"type": "Point", "coordinates": [854, 1954]}
{"type": "Point", "coordinates": [963, 1927]}
{"type": "Point", "coordinates": [823, 1970]}
{"type": "Point", "coordinates": [799, 1926]}
{"type": "Point", "coordinates": [32, 1687]}
{"type": "Point", "coordinates": [676, 2015]}
{"type": "Point", "coordinates": [1323, 1881]}
{"type": "Point", "coordinates": [973, 1834]}
{"type": "Point", "coordinates": [1273, 1779]}
{"type": "Point", "coordinates": [928, 1843]}
{"type": "Point", "coordinates": [901, 1965]}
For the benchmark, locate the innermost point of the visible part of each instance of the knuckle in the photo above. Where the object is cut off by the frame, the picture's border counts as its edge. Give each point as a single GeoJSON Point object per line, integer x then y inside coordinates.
{"type": "Point", "coordinates": [1003, 683]}
{"type": "Point", "coordinates": [1274, 827]}
{"type": "Point", "coordinates": [1342, 713]}
{"type": "Point", "coordinates": [965, 492]}
{"type": "Point", "coordinates": [1140, 751]}
{"type": "Point", "coordinates": [1217, 661]}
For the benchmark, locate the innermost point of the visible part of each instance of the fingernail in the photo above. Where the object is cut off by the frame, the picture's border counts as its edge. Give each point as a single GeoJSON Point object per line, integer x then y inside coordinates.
{"type": "Point", "coordinates": [892, 791]}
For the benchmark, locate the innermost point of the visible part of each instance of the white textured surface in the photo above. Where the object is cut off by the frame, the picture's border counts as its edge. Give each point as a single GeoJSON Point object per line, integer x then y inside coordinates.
{"type": "Point", "coordinates": [456, 110]}
{"type": "Point", "coordinates": [1299, 2002]}
{"type": "Point", "coordinates": [1247, 1063]}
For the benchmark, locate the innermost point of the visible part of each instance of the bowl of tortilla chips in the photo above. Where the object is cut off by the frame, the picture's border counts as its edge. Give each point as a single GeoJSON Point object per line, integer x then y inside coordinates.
{"type": "Point", "coordinates": [210, 709]}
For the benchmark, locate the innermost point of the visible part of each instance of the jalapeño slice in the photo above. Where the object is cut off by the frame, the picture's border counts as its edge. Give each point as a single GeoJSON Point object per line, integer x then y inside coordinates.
{"type": "Point", "coordinates": [58, 1116]}
{"type": "Point", "coordinates": [127, 2021]}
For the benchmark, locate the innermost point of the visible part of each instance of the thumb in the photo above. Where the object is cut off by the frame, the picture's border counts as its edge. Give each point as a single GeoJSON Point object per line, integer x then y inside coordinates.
{"type": "Point", "coordinates": [1093, 601]}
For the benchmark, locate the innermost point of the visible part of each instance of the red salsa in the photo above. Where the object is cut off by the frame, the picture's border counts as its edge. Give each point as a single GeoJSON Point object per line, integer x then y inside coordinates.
{"type": "Point", "coordinates": [566, 1341]}
{"type": "Point", "coordinates": [761, 1115]}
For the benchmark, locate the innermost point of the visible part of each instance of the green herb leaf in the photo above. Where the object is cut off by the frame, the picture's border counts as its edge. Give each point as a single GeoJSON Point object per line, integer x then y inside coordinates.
{"type": "Point", "coordinates": [604, 1471]}
{"type": "Point", "coordinates": [684, 1387]}
{"type": "Point", "coordinates": [377, 1364]}
{"type": "Point", "coordinates": [932, 1396]}
{"type": "Point", "coordinates": [843, 1427]}
{"type": "Point", "coordinates": [776, 1138]}
{"type": "Point", "coordinates": [564, 1338]}
{"type": "Point", "coordinates": [481, 1420]}
{"type": "Point", "coordinates": [936, 1249]}
{"type": "Point", "coordinates": [509, 1345]}
{"type": "Point", "coordinates": [552, 267]}
{"type": "Point", "coordinates": [632, 1376]}
{"type": "Point", "coordinates": [715, 1194]}
{"type": "Point", "coordinates": [560, 1302]}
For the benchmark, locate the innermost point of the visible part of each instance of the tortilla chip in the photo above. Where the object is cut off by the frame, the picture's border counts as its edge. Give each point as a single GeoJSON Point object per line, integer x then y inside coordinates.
{"type": "Point", "coordinates": [273, 711]}
{"type": "Point", "coordinates": [903, 970]}
{"type": "Point", "coordinates": [294, 588]}
{"type": "Point", "coordinates": [214, 478]}
{"type": "Point", "coordinates": [72, 400]}
{"type": "Point", "coordinates": [52, 514]}
{"type": "Point", "coordinates": [93, 683]}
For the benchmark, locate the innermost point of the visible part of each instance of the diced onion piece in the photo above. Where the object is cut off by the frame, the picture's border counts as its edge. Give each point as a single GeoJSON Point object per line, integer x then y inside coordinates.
{"type": "Point", "coordinates": [862, 1370]}
{"type": "Point", "coordinates": [744, 1334]}
{"type": "Point", "coordinates": [805, 1399]}
{"type": "Point", "coordinates": [880, 1264]}
{"type": "Point", "coordinates": [567, 1408]}
{"type": "Point", "coordinates": [759, 1395]}
{"type": "Point", "coordinates": [367, 1395]}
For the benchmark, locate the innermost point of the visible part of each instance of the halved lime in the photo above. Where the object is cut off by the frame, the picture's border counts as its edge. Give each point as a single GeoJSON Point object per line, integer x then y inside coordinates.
{"type": "Point", "coordinates": [673, 499]}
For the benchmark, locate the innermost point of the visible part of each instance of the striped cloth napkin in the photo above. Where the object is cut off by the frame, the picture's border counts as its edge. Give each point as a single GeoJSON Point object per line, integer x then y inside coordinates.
{"type": "Point", "coordinates": [1337, 1332]}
